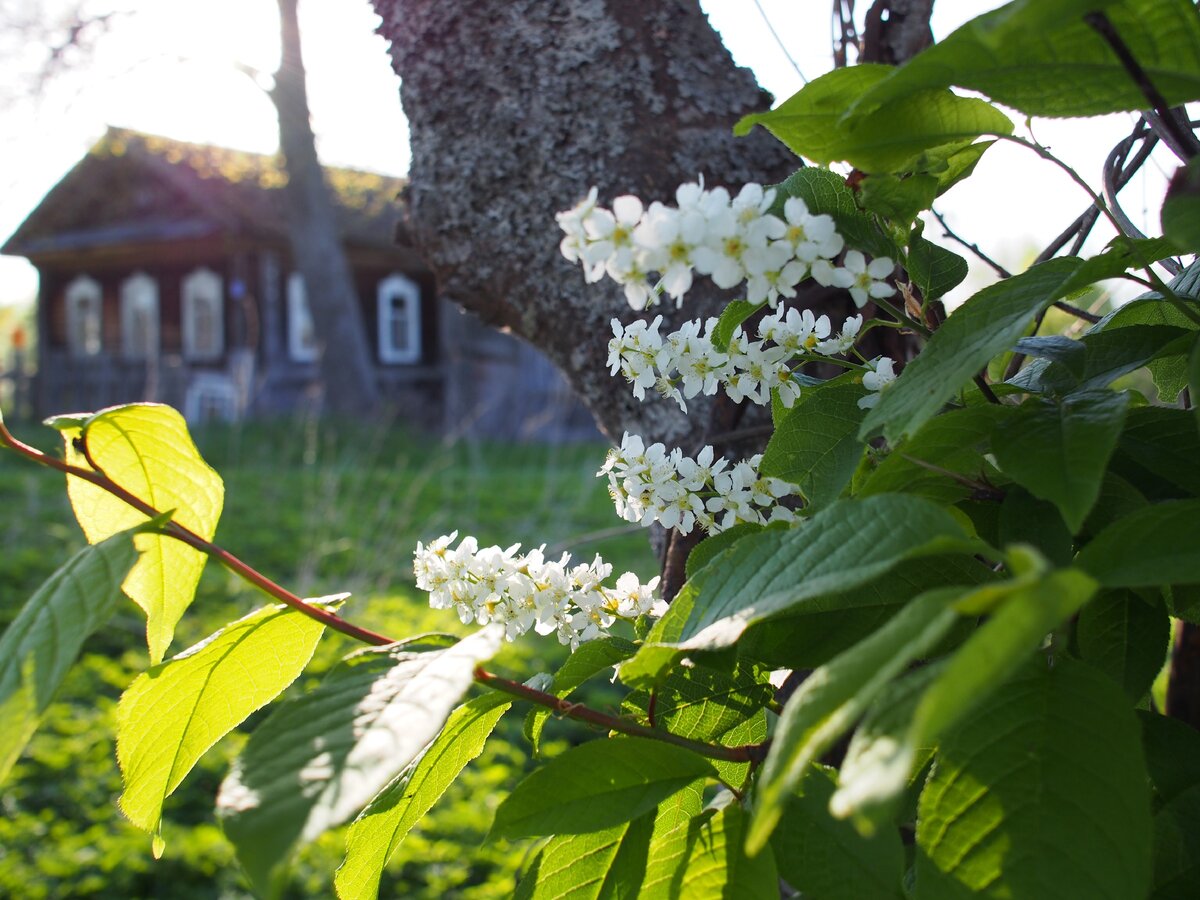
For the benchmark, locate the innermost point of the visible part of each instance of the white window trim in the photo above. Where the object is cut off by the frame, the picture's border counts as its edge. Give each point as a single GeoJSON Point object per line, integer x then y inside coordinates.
{"type": "Point", "coordinates": [299, 314]}
{"type": "Point", "coordinates": [79, 332]}
{"type": "Point", "coordinates": [392, 286]}
{"type": "Point", "coordinates": [139, 289]}
{"type": "Point", "coordinates": [196, 288]}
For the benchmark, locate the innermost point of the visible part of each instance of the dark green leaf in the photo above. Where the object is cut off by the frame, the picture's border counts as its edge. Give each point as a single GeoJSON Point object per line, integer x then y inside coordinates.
{"type": "Point", "coordinates": [1121, 255]}
{"type": "Point", "coordinates": [1059, 450]}
{"type": "Point", "coordinates": [378, 831]}
{"type": "Point", "coordinates": [825, 858]}
{"type": "Point", "coordinates": [947, 445]}
{"type": "Point", "coordinates": [1026, 776]}
{"type": "Point", "coordinates": [843, 546]}
{"type": "Point", "coordinates": [1026, 519]}
{"type": "Point", "coordinates": [1177, 847]}
{"type": "Point", "coordinates": [597, 785]}
{"type": "Point", "coordinates": [825, 626]}
{"type": "Point", "coordinates": [1193, 374]}
{"type": "Point", "coordinates": [1045, 62]}
{"type": "Point", "coordinates": [317, 760]}
{"type": "Point", "coordinates": [1162, 444]}
{"type": "Point", "coordinates": [1156, 545]}
{"type": "Point", "coordinates": [705, 551]}
{"type": "Point", "coordinates": [1102, 358]}
{"type": "Point", "coordinates": [1172, 754]}
{"type": "Point", "coordinates": [816, 446]}
{"type": "Point", "coordinates": [988, 323]}
{"type": "Point", "coordinates": [934, 269]}
{"type": "Point", "coordinates": [1126, 637]}
{"type": "Point", "coordinates": [830, 700]}
{"type": "Point", "coordinates": [44, 639]}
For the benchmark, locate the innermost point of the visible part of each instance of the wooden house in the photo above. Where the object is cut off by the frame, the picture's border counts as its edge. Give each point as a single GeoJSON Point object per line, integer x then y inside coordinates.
{"type": "Point", "coordinates": [165, 274]}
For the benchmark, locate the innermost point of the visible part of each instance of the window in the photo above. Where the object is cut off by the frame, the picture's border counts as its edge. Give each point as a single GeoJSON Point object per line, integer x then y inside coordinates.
{"type": "Point", "coordinates": [399, 301]}
{"type": "Point", "coordinates": [139, 317]}
{"type": "Point", "coordinates": [302, 337]}
{"type": "Point", "coordinates": [83, 316]}
{"type": "Point", "coordinates": [203, 315]}
{"type": "Point", "coordinates": [210, 398]}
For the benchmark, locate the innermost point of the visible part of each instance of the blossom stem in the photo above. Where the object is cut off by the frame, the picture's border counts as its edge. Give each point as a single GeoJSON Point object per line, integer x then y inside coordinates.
{"type": "Point", "coordinates": [901, 316]}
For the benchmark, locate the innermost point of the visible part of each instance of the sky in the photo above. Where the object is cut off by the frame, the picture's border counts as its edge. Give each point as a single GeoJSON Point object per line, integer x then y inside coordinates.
{"type": "Point", "coordinates": [172, 68]}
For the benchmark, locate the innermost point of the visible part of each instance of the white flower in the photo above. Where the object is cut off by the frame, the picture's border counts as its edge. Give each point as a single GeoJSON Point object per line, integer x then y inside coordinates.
{"type": "Point", "coordinates": [795, 331]}
{"type": "Point", "coordinates": [879, 378]}
{"type": "Point", "coordinates": [810, 237]}
{"type": "Point", "coordinates": [865, 281]}
{"type": "Point", "coordinates": [844, 340]}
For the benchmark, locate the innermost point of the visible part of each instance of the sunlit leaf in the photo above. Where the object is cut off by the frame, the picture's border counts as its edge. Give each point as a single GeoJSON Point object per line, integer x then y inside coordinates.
{"type": "Point", "coordinates": [147, 450]}
{"type": "Point", "coordinates": [175, 711]}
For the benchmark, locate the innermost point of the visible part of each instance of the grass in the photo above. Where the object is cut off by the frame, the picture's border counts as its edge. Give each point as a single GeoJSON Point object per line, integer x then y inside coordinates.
{"type": "Point", "coordinates": [320, 509]}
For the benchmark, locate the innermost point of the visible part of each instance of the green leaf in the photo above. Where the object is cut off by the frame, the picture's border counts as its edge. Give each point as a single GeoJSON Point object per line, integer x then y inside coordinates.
{"type": "Point", "coordinates": [830, 700]}
{"type": "Point", "coordinates": [1177, 847]}
{"type": "Point", "coordinates": [1172, 752]}
{"type": "Point", "coordinates": [935, 270]}
{"type": "Point", "coordinates": [1126, 637]}
{"type": "Point", "coordinates": [841, 547]}
{"type": "Point", "coordinates": [959, 165]}
{"type": "Point", "coordinates": [889, 138]}
{"type": "Point", "coordinates": [671, 841]}
{"type": "Point", "coordinates": [1046, 62]}
{"type": "Point", "coordinates": [816, 446]}
{"type": "Point", "coordinates": [1181, 208]}
{"type": "Point", "coordinates": [900, 198]}
{"type": "Point", "coordinates": [175, 711]}
{"type": "Point", "coordinates": [1100, 359]}
{"type": "Point", "coordinates": [825, 626]}
{"type": "Point", "coordinates": [1031, 608]}
{"type": "Point", "coordinates": [705, 551]}
{"type": "Point", "coordinates": [147, 450]}
{"type": "Point", "coordinates": [1121, 255]}
{"type": "Point", "coordinates": [44, 639]}
{"type": "Point", "coordinates": [988, 323]}
{"type": "Point", "coordinates": [825, 858]}
{"type": "Point", "coordinates": [1024, 519]}
{"type": "Point", "coordinates": [1162, 444]}
{"type": "Point", "coordinates": [601, 865]}
{"type": "Point", "coordinates": [318, 759]}
{"type": "Point", "coordinates": [383, 825]}
{"type": "Point", "coordinates": [589, 659]}
{"type": "Point", "coordinates": [597, 785]}
{"type": "Point", "coordinates": [1153, 546]}
{"type": "Point", "coordinates": [1059, 450]}
{"type": "Point", "coordinates": [737, 312]}
{"type": "Point", "coordinates": [1193, 375]}
{"type": "Point", "coordinates": [826, 193]}
{"type": "Point", "coordinates": [1028, 776]}
{"type": "Point", "coordinates": [947, 445]}
{"type": "Point", "coordinates": [717, 868]}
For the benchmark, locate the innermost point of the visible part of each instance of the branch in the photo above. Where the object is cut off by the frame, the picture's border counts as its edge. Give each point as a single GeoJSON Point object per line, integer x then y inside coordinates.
{"type": "Point", "coordinates": [974, 248]}
{"type": "Point", "coordinates": [95, 475]}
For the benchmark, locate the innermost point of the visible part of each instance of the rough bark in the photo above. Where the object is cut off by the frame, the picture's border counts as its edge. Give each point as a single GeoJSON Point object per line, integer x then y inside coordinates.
{"type": "Point", "coordinates": [517, 107]}
{"type": "Point", "coordinates": [347, 373]}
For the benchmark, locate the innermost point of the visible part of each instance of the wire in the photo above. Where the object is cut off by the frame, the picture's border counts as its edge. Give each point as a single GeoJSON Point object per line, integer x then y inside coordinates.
{"type": "Point", "coordinates": [771, 28]}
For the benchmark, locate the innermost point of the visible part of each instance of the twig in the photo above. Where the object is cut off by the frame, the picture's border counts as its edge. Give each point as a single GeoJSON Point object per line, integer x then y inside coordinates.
{"type": "Point", "coordinates": [974, 248]}
{"type": "Point", "coordinates": [1186, 141]}
{"type": "Point", "coordinates": [1075, 311]}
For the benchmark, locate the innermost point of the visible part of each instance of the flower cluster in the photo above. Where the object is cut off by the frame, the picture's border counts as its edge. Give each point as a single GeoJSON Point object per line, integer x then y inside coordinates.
{"type": "Point", "coordinates": [728, 239]}
{"type": "Point", "coordinates": [649, 485]}
{"type": "Point", "coordinates": [526, 590]}
{"type": "Point", "coordinates": [687, 362]}
{"type": "Point", "coordinates": [879, 378]}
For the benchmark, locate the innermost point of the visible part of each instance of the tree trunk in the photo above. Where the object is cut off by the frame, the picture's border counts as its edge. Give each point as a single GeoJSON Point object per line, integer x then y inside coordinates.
{"type": "Point", "coordinates": [346, 368]}
{"type": "Point", "coordinates": [516, 108]}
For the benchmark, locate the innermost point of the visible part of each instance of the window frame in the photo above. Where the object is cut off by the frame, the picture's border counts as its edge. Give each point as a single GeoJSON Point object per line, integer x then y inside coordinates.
{"type": "Point", "coordinates": [85, 336]}
{"type": "Point", "coordinates": [199, 286]}
{"type": "Point", "coordinates": [397, 286]}
{"type": "Point", "coordinates": [140, 289]}
{"type": "Point", "coordinates": [299, 313]}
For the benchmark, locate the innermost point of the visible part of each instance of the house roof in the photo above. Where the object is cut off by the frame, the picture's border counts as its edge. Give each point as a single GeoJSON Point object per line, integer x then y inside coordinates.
{"type": "Point", "coordinates": [142, 187]}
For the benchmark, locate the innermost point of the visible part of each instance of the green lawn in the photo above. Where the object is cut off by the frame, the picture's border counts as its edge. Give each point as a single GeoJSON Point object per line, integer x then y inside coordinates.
{"type": "Point", "coordinates": [320, 509]}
